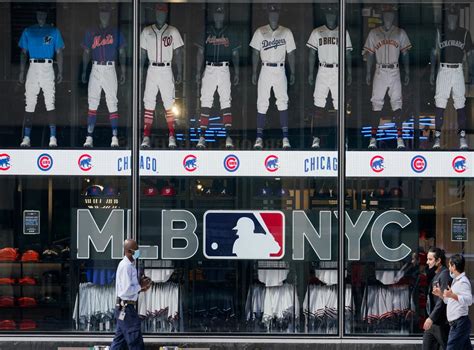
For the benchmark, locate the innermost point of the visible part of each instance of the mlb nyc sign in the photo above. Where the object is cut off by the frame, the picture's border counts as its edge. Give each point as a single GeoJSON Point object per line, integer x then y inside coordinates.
{"type": "Point", "coordinates": [252, 234]}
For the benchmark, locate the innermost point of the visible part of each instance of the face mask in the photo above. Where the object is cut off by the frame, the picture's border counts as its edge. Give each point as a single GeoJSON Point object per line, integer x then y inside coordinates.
{"type": "Point", "coordinates": [452, 274]}
{"type": "Point", "coordinates": [136, 254]}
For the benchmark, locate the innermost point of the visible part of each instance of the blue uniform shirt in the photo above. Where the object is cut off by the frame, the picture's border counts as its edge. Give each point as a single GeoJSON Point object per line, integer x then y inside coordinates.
{"type": "Point", "coordinates": [41, 42]}
{"type": "Point", "coordinates": [104, 43]}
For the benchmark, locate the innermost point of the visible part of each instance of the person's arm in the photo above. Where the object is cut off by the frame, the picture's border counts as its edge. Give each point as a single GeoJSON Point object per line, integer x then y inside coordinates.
{"type": "Point", "coordinates": [255, 61]}
{"type": "Point", "coordinates": [59, 60]}
{"type": "Point", "coordinates": [123, 64]}
{"type": "Point", "coordinates": [470, 62]}
{"type": "Point", "coordinates": [434, 60]}
{"type": "Point", "coordinates": [236, 64]}
{"type": "Point", "coordinates": [85, 62]}
{"type": "Point", "coordinates": [23, 60]}
{"type": "Point", "coordinates": [130, 280]}
{"type": "Point", "coordinates": [311, 63]}
{"type": "Point", "coordinates": [199, 64]}
{"type": "Point", "coordinates": [292, 64]}
{"type": "Point", "coordinates": [438, 309]}
{"type": "Point", "coordinates": [178, 55]}
{"type": "Point", "coordinates": [349, 67]}
{"type": "Point", "coordinates": [463, 295]}
{"type": "Point", "coordinates": [370, 62]}
{"type": "Point", "coordinates": [406, 66]}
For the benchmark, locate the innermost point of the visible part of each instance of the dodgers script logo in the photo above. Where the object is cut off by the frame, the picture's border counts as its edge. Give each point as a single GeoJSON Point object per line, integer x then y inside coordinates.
{"type": "Point", "coordinates": [459, 164]}
{"type": "Point", "coordinates": [231, 163]}
{"type": "Point", "coordinates": [271, 163]}
{"type": "Point", "coordinates": [44, 162]}
{"type": "Point", "coordinates": [273, 44]}
{"type": "Point", "coordinates": [376, 163]}
{"type": "Point", "coordinates": [190, 163]}
{"type": "Point", "coordinates": [4, 162]}
{"type": "Point", "coordinates": [240, 235]}
{"type": "Point", "coordinates": [85, 162]}
{"type": "Point", "coordinates": [419, 164]}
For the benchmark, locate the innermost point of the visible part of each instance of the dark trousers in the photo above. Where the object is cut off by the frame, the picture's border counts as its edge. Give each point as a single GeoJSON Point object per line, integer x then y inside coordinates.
{"type": "Point", "coordinates": [436, 337]}
{"type": "Point", "coordinates": [459, 334]}
{"type": "Point", "coordinates": [128, 330]}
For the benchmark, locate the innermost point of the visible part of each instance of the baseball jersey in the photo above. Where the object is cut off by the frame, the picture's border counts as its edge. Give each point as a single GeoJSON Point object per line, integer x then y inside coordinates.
{"type": "Point", "coordinates": [104, 43]}
{"type": "Point", "coordinates": [160, 43]}
{"type": "Point", "coordinates": [453, 43]}
{"type": "Point", "coordinates": [41, 42]}
{"type": "Point", "coordinates": [219, 44]}
{"type": "Point", "coordinates": [273, 44]}
{"type": "Point", "coordinates": [326, 42]}
{"type": "Point", "coordinates": [387, 45]}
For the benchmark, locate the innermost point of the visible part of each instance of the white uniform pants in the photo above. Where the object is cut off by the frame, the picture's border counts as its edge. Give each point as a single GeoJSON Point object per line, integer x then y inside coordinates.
{"type": "Point", "coordinates": [39, 76]}
{"type": "Point", "coordinates": [159, 79]}
{"type": "Point", "coordinates": [326, 81]}
{"type": "Point", "coordinates": [272, 77]}
{"type": "Point", "coordinates": [216, 78]}
{"type": "Point", "coordinates": [450, 79]}
{"type": "Point", "coordinates": [103, 78]}
{"type": "Point", "coordinates": [386, 78]}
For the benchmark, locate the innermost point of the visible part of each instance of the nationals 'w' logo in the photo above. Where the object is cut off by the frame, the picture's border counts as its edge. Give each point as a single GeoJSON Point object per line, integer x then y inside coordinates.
{"type": "Point", "coordinates": [167, 40]}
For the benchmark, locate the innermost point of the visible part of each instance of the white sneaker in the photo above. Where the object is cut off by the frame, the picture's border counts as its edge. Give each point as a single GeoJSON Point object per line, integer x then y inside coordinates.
{"type": "Point", "coordinates": [114, 142]}
{"type": "Point", "coordinates": [462, 140]}
{"type": "Point", "coordinates": [286, 143]}
{"type": "Point", "coordinates": [53, 142]}
{"type": "Point", "coordinates": [26, 142]}
{"type": "Point", "coordinates": [146, 142]}
{"type": "Point", "coordinates": [373, 143]}
{"type": "Point", "coordinates": [89, 142]}
{"type": "Point", "coordinates": [228, 142]}
{"type": "Point", "coordinates": [437, 140]}
{"type": "Point", "coordinates": [171, 142]}
{"type": "Point", "coordinates": [315, 142]}
{"type": "Point", "coordinates": [258, 143]}
{"type": "Point", "coordinates": [201, 143]}
{"type": "Point", "coordinates": [400, 143]}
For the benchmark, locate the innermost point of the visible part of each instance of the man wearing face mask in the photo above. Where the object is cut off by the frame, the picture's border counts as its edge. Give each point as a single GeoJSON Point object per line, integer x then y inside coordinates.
{"type": "Point", "coordinates": [436, 326]}
{"type": "Point", "coordinates": [127, 287]}
{"type": "Point", "coordinates": [384, 44]}
{"type": "Point", "coordinates": [272, 44]}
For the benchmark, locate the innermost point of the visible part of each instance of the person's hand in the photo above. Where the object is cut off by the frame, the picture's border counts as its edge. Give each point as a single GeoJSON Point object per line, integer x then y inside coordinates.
{"type": "Point", "coordinates": [254, 78]}
{"type": "Point", "coordinates": [437, 291]}
{"type": "Point", "coordinates": [198, 78]}
{"type": "Point", "coordinates": [21, 78]}
{"type": "Point", "coordinates": [428, 323]}
{"type": "Point", "coordinates": [448, 293]}
{"type": "Point", "coordinates": [84, 77]}
{"type": "Point", "coordinates": [310, 79]}
{"type": "Point", "coordinates": [122, 78]}
{"type": "Point", "coordinates": [145, 283]}
{"type": "Point", "coordinates": [368, 79]}
{"type": "Point", "coordinates": [236, 79]}
{"type": "Point", "coordinates": [179, 78]}
{"type": "Point", "coordinates": [349, 79]}
{"type": "Point", "coordinates": [59, 78]}
{"type": "Point", "coordinates": [406, 81]}
{"type": "Point", "coordinates": [292, 79]}
{"type": "Point", "coordinates": [432, 79]}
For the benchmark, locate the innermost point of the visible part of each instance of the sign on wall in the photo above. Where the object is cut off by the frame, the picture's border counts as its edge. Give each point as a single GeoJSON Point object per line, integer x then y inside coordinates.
{"type": "Point", "coordinates": [459, 230]}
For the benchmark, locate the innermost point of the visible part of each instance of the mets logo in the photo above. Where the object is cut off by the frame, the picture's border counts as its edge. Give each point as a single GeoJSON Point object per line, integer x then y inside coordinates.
{"type": "Point", "coordinates": [4, 162]}
{"type": "Point", "coordinates": [190, 163]}
{"type": "Point", "coordinates": [47, 40]}
{"type": "Point", "coordinates": [459, 164]}
{"type": "Point", "coordinates": [251, 234]}
{"type": "Point", "coordinates": [44, 162]}
{"type": "Point", "coordinates": [231, 163]}
{"type": "Point", "coordinates": [419, 164]}
{"type": "Point", "coordinates": [271, 163]}
{"type": "Point", "coordinates": [376, 163]}
{"type": "Point", "coordinates": [85, 162]}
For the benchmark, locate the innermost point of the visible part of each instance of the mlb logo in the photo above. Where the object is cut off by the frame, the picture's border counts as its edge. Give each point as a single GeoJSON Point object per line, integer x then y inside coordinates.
{"type": "Point", "coordinates": [240, 235]}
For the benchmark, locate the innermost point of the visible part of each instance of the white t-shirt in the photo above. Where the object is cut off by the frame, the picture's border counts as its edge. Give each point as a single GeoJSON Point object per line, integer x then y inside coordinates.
{"type": "Point", "coordinates": [326, 42]}
{"type": "Point", "coordinates": [160, 43]}
{"type": "Point", "coordinates": [273, 44]}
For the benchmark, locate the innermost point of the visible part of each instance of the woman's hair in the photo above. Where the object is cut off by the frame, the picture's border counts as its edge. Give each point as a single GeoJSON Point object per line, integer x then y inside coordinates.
{"type": "Point", "coordinates": [438, 254]}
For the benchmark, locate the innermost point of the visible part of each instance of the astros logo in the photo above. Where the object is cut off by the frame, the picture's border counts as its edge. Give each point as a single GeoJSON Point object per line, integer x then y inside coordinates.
{"type": "Point", "coordinates": [4, 162]}
{"type": "Point", "coordinates": [459, 164]}
{"type": "Point", "coordinates": [190, 163]}
{"type": "Point", "coordinates": [231, 163]}
{"type": "Point", "coordinates": [271, 163]}
{"type": "Point", "coordinates": [85, 162]}
{"type": "Point", "coordinates": [419, 164]}
{"type": "Point", "coordinates": [376, 163]}
{"type": "Point", "coordinates": [44, 162]}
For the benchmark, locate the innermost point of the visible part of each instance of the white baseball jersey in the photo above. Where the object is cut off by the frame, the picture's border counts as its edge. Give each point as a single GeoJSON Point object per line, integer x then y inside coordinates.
{"type": "Point", "coordinates": [387, 45]}
{"type": "Point", "coordinates": [273, 44]}
{"type": "Point", "coordinates": [326, 42]}
{"type": "Point", "coordinates": [160, 43]}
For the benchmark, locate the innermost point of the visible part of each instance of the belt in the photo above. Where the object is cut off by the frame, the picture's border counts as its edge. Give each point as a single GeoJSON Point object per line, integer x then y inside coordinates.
{"type": "Point", "coordinates": [329, 65]}
{"type": "Point", "coordinates": [392, 65]}
{"type": "Point", "coordinates": [273, 64]}
{"type": "Point", "coordinates": [217, 64]}
{"type": "Point", "coordinates": [161, 64]}
{"type": "Point", "coordinates": [104, 63]}
{"type": "Point", "coordinates": [449, 65]}
{"type": "Point", "coordinates": [34, 60]}
{"type": "Point", "coordinates": [452, 323]}
{"type": "Point", "coordinates": [120, 302]}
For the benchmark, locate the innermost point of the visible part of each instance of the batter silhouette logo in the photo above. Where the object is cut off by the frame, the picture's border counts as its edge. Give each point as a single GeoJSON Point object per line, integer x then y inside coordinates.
{"type": "Point", "coordinates": [459, 164]}
{"type": "Point", "coordinates": [242, 235]}
{"type": "Point", "coordinates": [190, 163]}
{"type": "Point", "coordinates": [85, 162]}
{"type": "Point", "coordinates": [419, 164]}
{"type": "Point", "coordinates": [377, 164]}
{"type": "Point", "coordinates": [271, 163]}
{"type": "Point", "coordinates": [44, 162]}
{"type": "Point", "coordinates": [231, 163]}
{"type": "Point", "coordinates": [4, 162]}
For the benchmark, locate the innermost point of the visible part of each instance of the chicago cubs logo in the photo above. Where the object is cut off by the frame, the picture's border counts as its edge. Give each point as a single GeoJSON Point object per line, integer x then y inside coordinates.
{"type": "Point", "coordinates": [459, 164]}
{"type": "Point", "coordinates": [376, 163]}
{"type": "Point", "coordinates": [167, 40]}
{"type": "Point", "coordinates": [4, 162]}
{"type": "Point", "coordinates": [85, 162]}
{"type": "Point", "coordinates": [419, 164]}
{"type": "Point", "coordinates": [190, 163]}
{"type": "Point", "coordinates": [44, 162]}
{"type": "Point", "coordinates": [251, 234]}
{"type": "Point", "coordinates": [231, 163]}
{"type": "Point", "coordinates": [271, 163]}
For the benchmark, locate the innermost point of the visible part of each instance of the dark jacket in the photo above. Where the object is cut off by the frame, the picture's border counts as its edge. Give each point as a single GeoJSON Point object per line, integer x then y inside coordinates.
{"type": "Point", "coordinates": [435, 306]}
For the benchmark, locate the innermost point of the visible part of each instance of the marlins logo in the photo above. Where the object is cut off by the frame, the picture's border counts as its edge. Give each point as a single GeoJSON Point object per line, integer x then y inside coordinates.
{"type": "Point", "coordinates": [244, 234]}
{"type": "Point", "coordinates": [47, 40]}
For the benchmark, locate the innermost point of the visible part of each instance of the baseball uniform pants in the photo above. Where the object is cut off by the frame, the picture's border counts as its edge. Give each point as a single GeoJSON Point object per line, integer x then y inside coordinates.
{"type": "Point", "coordinates": [103, 77]}
{"type": "Point", "coordinates": [272, 77]}
{"type": "Point", "coordinates": [216, 78]}
{"type": "Point", "coordinates": [326, 81]}
{"type": "Point", "coordinates": [40, 76]}
{"type": "Point", "coordinates": [159, 79]}
{"type": "Point", "coordinates": [450, 79]}
{"type": "Point", "coordinates": [386, 79]}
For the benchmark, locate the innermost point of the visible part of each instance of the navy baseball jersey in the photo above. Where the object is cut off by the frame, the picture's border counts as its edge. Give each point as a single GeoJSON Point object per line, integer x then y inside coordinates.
{"type": "Point", "coordinates": [41, 42]}
{"type": "Point", "coordinates": [453, 43]}
{"type": "Point", "coordinates": [104, 43]}
{"type": "Point", "coordinates": [219, 44]}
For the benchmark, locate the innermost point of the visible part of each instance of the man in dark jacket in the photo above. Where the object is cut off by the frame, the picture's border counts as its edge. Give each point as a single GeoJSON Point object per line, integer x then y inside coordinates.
{"type": "Point", "coordinates": [436, 325]}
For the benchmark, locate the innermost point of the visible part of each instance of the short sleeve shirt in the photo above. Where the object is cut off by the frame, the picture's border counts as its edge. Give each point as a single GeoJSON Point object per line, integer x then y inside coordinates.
{"type": "Point", "coordinates": [453, 44]}
{"type": "Point", "coordinates": [104, 43]}
{"type": "Point", "coordinates": [326, 42]}
{"type": "Point", "coordinates": [41, 42]}
{"type": "Point", "coordinates": [160, 43]}
{"type": "Point", "coordinates": [387, 45]}
{"type": "Point", "coordinates": [273, 44]}
{"type": "Point", "coordinates": [219, 44]}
